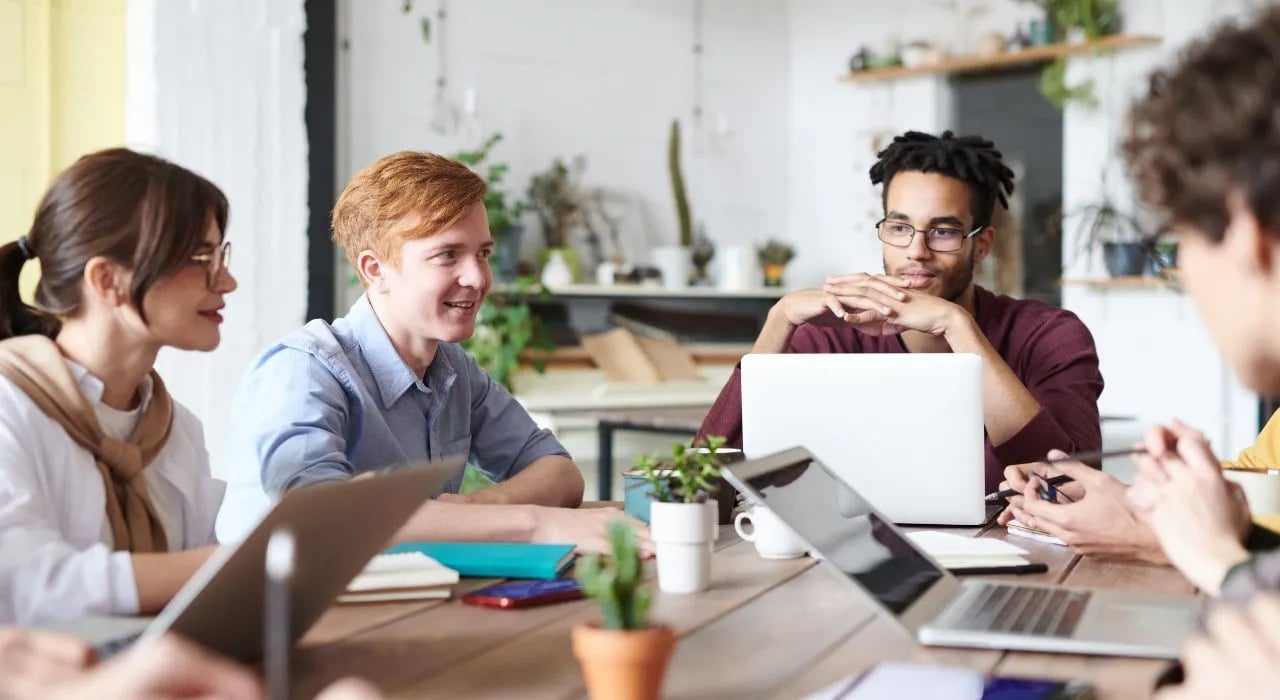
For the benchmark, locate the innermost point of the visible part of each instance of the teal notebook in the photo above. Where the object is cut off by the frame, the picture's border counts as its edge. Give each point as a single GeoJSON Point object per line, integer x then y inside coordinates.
{"type": "Point", "coordinates": [496, 559]}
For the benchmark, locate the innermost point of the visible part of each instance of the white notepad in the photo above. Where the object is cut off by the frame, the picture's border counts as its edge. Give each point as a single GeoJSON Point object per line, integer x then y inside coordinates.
{"type": "Point", "coordinates": [406, 576]}
{"type": "Point", "coordinates": [959, 551]}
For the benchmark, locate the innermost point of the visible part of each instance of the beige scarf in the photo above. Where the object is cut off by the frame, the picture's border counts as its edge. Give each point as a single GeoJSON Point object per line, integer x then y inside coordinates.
{"type": "Point", "coordinates": [36, 365]}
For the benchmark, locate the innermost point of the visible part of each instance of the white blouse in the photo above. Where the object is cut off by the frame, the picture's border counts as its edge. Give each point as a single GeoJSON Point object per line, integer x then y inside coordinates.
{"type": "Point", "coordinates": [56, 557]}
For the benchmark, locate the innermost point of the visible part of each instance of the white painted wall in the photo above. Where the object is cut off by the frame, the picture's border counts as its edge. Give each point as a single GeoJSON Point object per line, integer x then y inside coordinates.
{"type": "Point", "coordinates": [1158, 360]}
{"type": "Point", "coordinates": [218, 87]}
{"type": "Point", "coordinates": [601, 78]}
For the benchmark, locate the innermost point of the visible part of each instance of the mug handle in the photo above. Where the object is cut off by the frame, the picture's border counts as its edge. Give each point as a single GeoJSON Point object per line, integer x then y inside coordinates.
{"type": "Point", "coordinates": [737, 525]}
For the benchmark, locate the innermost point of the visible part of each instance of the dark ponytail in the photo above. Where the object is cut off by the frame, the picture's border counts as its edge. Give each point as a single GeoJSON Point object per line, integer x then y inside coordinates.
{"type": "Point", "coordinates": [139, 211]}
{"type": "Point", "coordinates": [16, 317]}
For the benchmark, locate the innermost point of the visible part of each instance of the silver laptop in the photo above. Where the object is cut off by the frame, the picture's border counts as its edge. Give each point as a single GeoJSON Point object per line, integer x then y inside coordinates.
{"type": "Point", "coordinates": [869, 552]}
{"type": "Point", "coordinates": [337, 528]}
{"type": "Point", "coordinates": [906, 430]}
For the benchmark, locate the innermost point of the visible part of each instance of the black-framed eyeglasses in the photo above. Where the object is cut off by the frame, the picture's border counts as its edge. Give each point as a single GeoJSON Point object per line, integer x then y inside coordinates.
{"type": "Point", "coordinates": [939, 239]}
{"type": "Point", "coordinates": [214, 262]}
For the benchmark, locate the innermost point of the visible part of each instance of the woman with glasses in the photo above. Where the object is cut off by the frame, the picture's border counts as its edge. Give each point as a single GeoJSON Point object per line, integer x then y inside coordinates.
{"type": "Point", "coordinates": [107, 505]}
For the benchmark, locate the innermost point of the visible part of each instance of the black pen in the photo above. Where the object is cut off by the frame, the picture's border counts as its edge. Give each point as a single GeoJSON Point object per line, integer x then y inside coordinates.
{"type": "Point", "coordinates": [1063, 478]}
{"type": "Point", "coordinates": [1017, 570]}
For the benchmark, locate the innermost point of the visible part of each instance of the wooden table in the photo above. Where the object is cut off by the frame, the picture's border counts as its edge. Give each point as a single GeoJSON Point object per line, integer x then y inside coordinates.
{"type": "Point", "coordinates": [766, 628]}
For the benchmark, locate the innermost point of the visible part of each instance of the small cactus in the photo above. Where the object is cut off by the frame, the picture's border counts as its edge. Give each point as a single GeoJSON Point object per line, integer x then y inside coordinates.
{"type": "Point", "coordinates": [615, 583]}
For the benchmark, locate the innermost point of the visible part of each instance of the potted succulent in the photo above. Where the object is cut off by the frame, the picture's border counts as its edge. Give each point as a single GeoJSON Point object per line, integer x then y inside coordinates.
{"type": "Point", "coordinates": [774, 256]}
{"type": "Point", "coordinates": [683, 515]}
{"type": "Point", "coordinates": [553, 196]}
{"type": "Point", "coordinates": [623, 656]}
{"type": "Point", "coordinates": [503, 213]}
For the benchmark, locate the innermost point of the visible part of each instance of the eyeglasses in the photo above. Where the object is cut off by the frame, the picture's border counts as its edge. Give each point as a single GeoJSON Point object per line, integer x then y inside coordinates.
{"type": "Point", "coordinates": [214, 262]}
{"type": "Point", "coordinates": [938, 239]}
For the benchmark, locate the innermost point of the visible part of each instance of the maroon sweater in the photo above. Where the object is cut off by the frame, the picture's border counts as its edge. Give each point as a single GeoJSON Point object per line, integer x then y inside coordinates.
{"type": "Point", "coordinates": [1048, 348]}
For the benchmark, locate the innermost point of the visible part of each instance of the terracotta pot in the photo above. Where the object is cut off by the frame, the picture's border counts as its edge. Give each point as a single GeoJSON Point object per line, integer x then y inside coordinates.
{"type": "Point", "coordinates": [623, 664]}
{"type": "Point", "coordinates": [773, 274]}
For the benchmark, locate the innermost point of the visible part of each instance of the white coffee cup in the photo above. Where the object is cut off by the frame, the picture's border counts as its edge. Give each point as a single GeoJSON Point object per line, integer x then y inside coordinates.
{"type": "Point", "coordinates": [772, 538]}
{"type": "Point", "coordinates": [1261, 488]}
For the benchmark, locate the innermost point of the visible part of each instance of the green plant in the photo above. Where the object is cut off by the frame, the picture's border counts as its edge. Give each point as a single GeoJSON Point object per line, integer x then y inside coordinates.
{"type": "Point", "coordinates": [1095, 18]}
{"type": "Point", "coordinates": [555, 200]}
{"type": "Point", "coordinates": [1053, 85]}
{"type": "Point", "coordinates": [505, 327]}
{"type": "Point", "coordinates": [677, 185]}
{"type": "Point", "coordinates": [775, 253]}
{"type": "Point", "coordinates": [502, 212]}
{"type": "Point", "coordinates": [687, 477]}
{"type": "Point", "coordinates": [616, 583]}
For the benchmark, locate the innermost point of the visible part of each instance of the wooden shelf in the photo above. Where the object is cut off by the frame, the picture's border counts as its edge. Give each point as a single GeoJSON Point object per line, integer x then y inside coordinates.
{"type": "Point", "coordinates": [637, 291]}
{"type": "Point", "coordinates": [1000, 61]}
{"type": "Point", "coordinates": [1144, 282]}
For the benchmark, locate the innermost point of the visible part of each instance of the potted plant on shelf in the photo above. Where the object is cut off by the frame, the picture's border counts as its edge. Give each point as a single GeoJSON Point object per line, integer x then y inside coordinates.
{"type": "Point", "coordinates": [1073, 20]}
{"type": "Point", "coordinates": [553, 196]}
{"type": "Point", "coordinates": [622, 656]}
{"type": "Point", "coordinates": [683, 515]}
{"type": "Point", "coordinates": [503, 212]}
{"type": "Point", "coordinates": [1126, 250]}
{"type": "Point", "coordinates": [774, 256]}
{"type": "Point", "coordinates": [673, 261]}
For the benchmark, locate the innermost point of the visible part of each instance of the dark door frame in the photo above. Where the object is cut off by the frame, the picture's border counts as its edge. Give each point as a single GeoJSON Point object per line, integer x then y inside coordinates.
{"type": "Point", "coordinates": [320, 44]}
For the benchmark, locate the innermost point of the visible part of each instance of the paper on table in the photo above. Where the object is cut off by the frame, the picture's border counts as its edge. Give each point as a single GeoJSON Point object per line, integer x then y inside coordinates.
{"type": "Point", "coordinates": [893, 680]}
{"type": "Point", "coordinates": [957, 551]}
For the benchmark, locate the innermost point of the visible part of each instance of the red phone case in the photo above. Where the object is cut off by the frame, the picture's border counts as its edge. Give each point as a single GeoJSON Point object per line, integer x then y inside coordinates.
{"type": "Point", "coordinates": [510, 602]}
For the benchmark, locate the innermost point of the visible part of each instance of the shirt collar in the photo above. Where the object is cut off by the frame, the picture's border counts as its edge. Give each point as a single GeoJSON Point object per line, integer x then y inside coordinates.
{"type": "Point", "coordinates": [389, 370]}
{"type": "Point", "coordinates": [93, 387]}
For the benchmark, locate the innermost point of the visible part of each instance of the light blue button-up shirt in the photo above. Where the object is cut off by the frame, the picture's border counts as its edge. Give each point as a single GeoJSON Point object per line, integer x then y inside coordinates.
{"type": "Point", "coordinates": [334, 400]}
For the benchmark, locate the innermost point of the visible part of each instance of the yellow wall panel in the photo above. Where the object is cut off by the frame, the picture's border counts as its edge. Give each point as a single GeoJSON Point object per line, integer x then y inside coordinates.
{"type": "Point", "coordinates": [61, 96]}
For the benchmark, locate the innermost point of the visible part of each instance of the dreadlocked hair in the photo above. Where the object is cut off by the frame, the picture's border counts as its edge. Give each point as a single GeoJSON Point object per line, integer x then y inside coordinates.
{"type": "Point", "coordinates": [970, 159]}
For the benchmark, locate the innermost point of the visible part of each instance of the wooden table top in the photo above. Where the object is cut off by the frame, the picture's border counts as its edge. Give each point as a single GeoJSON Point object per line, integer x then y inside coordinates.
{"type": "Point", "coordinates": [766, 628]}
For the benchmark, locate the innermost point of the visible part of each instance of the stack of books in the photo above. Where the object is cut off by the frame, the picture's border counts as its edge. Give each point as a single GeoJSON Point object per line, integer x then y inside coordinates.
{"type": "Point", "coordinates": [405, 576]}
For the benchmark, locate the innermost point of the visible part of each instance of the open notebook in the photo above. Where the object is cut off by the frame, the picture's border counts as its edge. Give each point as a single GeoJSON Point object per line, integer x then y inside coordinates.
{"type": "Point", "coordinates": [405, 576]}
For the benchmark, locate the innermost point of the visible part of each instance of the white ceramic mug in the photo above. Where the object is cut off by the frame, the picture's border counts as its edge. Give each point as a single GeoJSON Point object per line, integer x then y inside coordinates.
{"type": "Point", "coordinates": [772, 538]}
{"type": "Point", "coordinates": [1261, 488]}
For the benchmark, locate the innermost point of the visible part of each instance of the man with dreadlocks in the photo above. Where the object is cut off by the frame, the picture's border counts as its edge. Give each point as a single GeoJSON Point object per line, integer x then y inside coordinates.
{"type": "Point", "coordinates": [1040, 369]}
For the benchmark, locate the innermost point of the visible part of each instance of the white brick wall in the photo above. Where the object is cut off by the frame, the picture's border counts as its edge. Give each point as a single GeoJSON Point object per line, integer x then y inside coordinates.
{"type": "Point", "coordinates": [217, 86]}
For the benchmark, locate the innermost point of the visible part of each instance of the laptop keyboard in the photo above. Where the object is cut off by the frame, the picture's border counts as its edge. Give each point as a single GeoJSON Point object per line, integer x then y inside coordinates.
{"type": "Point", "coordinates": [1042, 612]}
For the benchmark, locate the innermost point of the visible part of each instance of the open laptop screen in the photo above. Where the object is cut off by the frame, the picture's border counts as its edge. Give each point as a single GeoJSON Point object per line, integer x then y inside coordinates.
{"type": "Point", "coordinates": [841, 526]}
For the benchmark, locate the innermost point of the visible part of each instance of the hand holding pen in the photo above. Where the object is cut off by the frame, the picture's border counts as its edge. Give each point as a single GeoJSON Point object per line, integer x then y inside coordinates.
{"type": "Point", "coordinates": [1049, 492]}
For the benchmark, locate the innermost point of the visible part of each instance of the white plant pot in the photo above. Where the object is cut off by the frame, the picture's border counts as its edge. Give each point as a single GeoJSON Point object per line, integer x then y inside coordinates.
{"type": "Point", "coordinates": [683, 535]}
{"type": "Point", "coordinates": [673, 263]}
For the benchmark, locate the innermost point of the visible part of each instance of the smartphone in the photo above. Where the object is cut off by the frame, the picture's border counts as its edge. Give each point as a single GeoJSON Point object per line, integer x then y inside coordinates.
{"type": "Point", "coordinates": [1035, 689]}
{"type": "Point", "coordinates": [894, 680]}
{"type": "Point", "coordinates": [524, 594]}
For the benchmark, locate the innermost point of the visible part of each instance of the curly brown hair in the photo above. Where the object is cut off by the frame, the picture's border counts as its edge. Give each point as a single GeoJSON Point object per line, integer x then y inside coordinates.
{"type": "Point", "coordinates": [1210, 126]}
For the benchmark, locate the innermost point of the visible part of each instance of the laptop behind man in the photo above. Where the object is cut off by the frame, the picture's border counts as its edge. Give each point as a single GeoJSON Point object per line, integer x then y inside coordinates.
{"type": "Point", "coordinates": [870, 553]}
{"type": "Point", "coordinates": [906, 430]}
